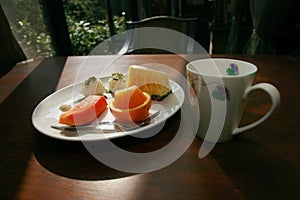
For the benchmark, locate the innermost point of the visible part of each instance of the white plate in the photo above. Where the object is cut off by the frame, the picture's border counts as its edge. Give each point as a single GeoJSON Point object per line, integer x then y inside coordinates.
{"type": "Point", "coordinates": [47, 113]}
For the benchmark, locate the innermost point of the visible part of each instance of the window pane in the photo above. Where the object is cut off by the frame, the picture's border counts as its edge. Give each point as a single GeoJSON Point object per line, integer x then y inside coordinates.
{"type": "Point", "coordinates": [28, 26]}
{"type": "Point", "coordinates": [88, 23]}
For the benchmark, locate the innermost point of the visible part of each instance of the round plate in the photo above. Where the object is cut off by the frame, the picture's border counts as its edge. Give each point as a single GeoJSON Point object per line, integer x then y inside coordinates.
{"type": "Point", "coordinates": [47, 113]}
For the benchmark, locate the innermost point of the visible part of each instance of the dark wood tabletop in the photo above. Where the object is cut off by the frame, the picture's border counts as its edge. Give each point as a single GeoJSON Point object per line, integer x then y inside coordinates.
{"type": "Point", "coordinates": [263, 163]}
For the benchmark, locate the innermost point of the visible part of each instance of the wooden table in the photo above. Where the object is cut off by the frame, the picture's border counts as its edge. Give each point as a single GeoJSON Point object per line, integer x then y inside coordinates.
{"type": "Point", "coordinates": [263, 163]}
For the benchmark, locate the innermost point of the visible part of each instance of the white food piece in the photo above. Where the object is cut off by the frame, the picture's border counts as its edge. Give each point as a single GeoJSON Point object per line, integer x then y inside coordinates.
{"type": "Point", "coordinates": [139, 75]}
{"type": "Point", "coordinates": [92, 86]}
{"type": "Point", "coordinates": [155, 83]}
{"type": "Point", "coordinates": [117, 82]}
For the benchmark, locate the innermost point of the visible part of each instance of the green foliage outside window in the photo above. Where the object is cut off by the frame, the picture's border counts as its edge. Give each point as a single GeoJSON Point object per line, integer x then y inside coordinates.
{"type": "Point", "coordinates": [85, 35]}
{"type": "Point", "coordinates": [86, 19]}
{"type": "Point", "coordinates": [27, 24]}
{"type": "Point", "coordinates": [88, 25]}
{"type": "Point", "coordinates": [34, 43]}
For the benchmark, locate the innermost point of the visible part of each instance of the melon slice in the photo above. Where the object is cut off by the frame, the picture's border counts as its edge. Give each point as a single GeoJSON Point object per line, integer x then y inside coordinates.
{"type": "Point", "coordinates": [155, 83]}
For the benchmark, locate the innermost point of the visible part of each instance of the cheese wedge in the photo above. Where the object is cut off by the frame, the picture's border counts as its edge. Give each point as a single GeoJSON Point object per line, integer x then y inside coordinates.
{"type": "Point", "coordinates": [155, 83]}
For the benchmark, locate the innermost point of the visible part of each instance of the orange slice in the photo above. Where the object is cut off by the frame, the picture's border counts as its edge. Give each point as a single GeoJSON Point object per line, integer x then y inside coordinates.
{"type": "Point", "coordinates": [130, 105]}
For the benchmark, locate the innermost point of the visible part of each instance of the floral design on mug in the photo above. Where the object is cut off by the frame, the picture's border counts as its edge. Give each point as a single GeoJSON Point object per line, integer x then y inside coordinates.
{"type": "Point", "coordinates": [232, 70]}
{"type": "Point", "coordinates": [221, 93]}
{"type": "Point", "coordinates": [192, 80]}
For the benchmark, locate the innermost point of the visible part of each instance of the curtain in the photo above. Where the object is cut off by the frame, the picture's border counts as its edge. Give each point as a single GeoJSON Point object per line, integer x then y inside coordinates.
{"type": "Point", "coordinates": [10, 51]}
{"type": "Point", "coordinates": [238, 31]}
{"type": "Point", "coordinates": [267, 17]}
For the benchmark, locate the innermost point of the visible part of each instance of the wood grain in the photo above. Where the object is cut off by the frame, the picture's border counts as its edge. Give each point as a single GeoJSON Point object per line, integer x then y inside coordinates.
{"type": "Point", "coordinates": [263, 163]}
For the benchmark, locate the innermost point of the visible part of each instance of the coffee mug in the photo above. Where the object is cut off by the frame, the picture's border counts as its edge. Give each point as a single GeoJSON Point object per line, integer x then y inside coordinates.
{"type": "Point", "coordinates": [221, 87]}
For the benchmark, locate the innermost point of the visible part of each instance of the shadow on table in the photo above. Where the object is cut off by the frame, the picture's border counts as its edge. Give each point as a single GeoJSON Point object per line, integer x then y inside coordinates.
{"type": "Point", "coordinates": [257, 171]}
{"type": "Point", "coordinates": [73, 160]}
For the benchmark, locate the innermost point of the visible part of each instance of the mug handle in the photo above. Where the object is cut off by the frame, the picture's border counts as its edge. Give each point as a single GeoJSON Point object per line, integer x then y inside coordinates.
{"type": "Point", "coordinates": [275, 98]}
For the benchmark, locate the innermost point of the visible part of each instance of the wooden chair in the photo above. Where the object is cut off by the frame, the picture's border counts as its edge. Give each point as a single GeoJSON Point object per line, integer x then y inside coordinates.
{"type": "Point", "coordinates": [156, 35]}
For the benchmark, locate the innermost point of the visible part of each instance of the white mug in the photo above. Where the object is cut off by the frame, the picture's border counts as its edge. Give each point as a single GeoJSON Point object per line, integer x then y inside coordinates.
{"type": "Point", "coordinates": [221, 87]}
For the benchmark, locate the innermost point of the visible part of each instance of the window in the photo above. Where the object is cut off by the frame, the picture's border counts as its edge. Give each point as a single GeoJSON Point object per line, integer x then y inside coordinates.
{"type": "Point", "coordinates": [28, 26]}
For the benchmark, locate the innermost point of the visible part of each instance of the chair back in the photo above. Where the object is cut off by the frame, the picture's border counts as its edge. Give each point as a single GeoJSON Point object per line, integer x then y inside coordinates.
{"type": "Point", "coordinates": [156, 37]}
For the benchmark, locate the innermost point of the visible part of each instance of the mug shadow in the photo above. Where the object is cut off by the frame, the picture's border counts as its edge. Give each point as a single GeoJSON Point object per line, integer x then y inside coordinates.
{"type": "Point", "coordinates": [244, 162]}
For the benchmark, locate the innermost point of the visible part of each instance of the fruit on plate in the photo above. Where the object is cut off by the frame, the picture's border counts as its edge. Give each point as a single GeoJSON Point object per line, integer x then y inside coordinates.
{"type": "Point", "coordinates": [84, 112]}
{"type": "Point", "coordinates": [155, 83]}
{"type": "Point", "coordinates": [91, 86]}
{"type": "Point", "coordinates": [117, 82]}
{"type": "Point", "coordinates": [130, 105]}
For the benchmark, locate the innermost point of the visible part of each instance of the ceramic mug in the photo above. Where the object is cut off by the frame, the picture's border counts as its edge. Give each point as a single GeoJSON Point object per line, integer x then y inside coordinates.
{"type": "Point", "coordinates": [221, 87]}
